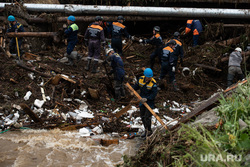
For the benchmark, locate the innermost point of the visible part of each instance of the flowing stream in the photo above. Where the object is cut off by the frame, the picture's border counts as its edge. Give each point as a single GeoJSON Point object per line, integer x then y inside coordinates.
{"type": "Point", "coordinates": [41, 148]}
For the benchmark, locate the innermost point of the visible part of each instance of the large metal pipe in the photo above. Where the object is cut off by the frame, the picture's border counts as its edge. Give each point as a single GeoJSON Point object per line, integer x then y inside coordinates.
{"type": "Point", "coordinates": [136, 10]}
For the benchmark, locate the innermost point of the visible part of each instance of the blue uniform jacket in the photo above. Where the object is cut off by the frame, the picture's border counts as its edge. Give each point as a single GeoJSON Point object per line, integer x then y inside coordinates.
{"type": "Point", "coordinates": [117, 66]}
{"type": "Point", "coordinates": [194, 26]}
{"type": "Point", "coordinates": [155, 40]}
{"type": "Point", "coordinates": [118, 29]}
{"type": "Point", "coordinates": [71, 32]}
{"type": "Point", "coordinates": [16, 28]}
{"type": "Point", "coordinates": [148, 90]}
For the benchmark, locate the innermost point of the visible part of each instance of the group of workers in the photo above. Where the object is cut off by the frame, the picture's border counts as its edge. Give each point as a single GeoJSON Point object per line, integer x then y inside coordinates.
{"type": "Point", "coordinates": [168, 55]}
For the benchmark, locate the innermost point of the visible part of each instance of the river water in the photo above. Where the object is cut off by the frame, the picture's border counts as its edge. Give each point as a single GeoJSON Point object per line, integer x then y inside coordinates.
{"type": "Point", "coordinates": [41, 148]}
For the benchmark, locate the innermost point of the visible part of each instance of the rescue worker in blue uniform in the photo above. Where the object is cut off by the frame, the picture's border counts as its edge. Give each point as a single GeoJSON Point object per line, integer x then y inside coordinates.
{"type": "Point", "coordinates": [118, 70]}
{"type": "Point", "coordinates": [155, 40]}
{"type": "Point", "coordinates": [14, 26]}
{"type": "Point", "coordinates": [94, 37]}
{"type": "Point", "coordinates": [167, 63]}
{"type": "Point", "coordinates": [178, 50]}
{"type": "Point", "coordinates": [148, 92]}
{"type": "Point", "coordinates": [196, 27]}
{"type": "Point", "coordinates": [118, 30]}
{"type": "Point", "coordinates": [71, 33]}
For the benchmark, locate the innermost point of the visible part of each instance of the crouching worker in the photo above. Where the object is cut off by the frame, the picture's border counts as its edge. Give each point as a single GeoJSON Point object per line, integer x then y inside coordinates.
{"type": "Point", "coordinates": [148, 92]}
{"type": "Point", "coordinates": [116, 63]}
{"type": "Point", "coordinates": [235, 59]}
{"type": "Point", "coordinates": [71, 32]}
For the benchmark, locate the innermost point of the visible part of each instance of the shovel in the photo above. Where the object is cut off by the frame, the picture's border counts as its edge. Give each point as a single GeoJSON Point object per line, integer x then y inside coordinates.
{"type": "Point", "coordinates": [18, 52]}
{"type": "Point", "coordinates": [110, 82]}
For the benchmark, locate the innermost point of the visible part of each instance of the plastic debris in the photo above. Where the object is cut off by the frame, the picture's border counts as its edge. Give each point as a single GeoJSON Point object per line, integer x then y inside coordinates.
{"type": "Point", "coordinates": [38, 103]}
{"type": "Point", "coordinates": [27, 95]}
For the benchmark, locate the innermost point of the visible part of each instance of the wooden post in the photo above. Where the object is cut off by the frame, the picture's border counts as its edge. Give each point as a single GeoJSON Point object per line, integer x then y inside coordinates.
{"type": "Point", "coordinates": [147, 106]}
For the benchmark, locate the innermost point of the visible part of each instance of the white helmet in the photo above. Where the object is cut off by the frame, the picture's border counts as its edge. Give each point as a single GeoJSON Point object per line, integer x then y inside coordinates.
{"type": "Point", "coordinates": [238, 49]}
{"type": "Point", "coordinates": [108, 50]}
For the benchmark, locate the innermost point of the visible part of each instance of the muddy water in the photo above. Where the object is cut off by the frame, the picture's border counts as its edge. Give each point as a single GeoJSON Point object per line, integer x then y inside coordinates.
{"type": "Point", "coordinates": [28, 148]}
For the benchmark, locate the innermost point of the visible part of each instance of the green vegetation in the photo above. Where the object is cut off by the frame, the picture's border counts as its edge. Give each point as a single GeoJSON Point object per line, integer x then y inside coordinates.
{"type": "Point", "coordinates": [224, 145]}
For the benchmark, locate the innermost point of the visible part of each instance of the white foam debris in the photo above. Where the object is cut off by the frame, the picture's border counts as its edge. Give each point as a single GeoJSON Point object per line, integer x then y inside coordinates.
{"type": "Point", "coordinates": [176, 104]}
{"type": "Point", "coordinates": [85, 114]}
{"type": "Point", "coordinates": [156, 110]}
{"type": "Point", "coordinates": [27, 95]}
{"type": "Point", "coordinates": [132, 110]}
{"type": "Point", "coordinates": [84, 132]}
{"type": "Point", "coordinates": [67, 99]}
{"type": "Point", "coordinates": [116, 110]}
{"type": "Point", "coordinates": [98, 129]}
{"type": "Point", "coordinates": [38, 103]}
{"type": "Point", "coordinates": [187, 110]}
{"type": "Point", "coordinates": [167, 118]}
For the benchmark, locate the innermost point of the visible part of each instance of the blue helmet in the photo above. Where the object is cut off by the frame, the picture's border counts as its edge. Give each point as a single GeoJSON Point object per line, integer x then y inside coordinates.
{"type": "Point", "coordinates": [148, 72]}
{"type": "Point", "coordinates": [72, 18]}
{"type": "Point", "coordinates": [11, 18]}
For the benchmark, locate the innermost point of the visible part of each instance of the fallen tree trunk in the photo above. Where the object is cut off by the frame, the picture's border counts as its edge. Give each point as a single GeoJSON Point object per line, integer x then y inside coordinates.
{"type": "Point", "coordinates": [208, 67]}
{"type": "Point", "coordinates": [31, 34]}
{"type": "Point", "coordinates": [35, 71]}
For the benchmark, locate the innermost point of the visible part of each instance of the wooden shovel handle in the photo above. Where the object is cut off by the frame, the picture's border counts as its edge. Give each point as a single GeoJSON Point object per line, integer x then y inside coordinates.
{"type": "Point", "coordinates": [147, 106]}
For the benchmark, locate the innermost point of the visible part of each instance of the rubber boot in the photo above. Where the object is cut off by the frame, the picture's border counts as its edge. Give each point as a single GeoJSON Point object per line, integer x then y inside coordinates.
{"type": "Point", "coordinates": [94, 68]}
{"type": "Point", "coordinates": [70, 62]}
{"type": "Point", "coordinates": [175, 86]}
{"type": "Point", "coordinates": [230, 78]}
{"type": "Point", "coordinates": [88, 65]}
{"type": "Point", "coordinates": [241, 76]}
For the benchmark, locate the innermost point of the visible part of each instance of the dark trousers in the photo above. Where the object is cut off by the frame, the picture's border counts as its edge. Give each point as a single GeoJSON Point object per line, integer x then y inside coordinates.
{"type": "Point", "coordinates": [94, 49]}
{"type": "Point", "coordinates": [195, 40]}
{"type": "Point", "coordinates": [155, 54]}
{"type": "Point", "coordinates": [116, 44]}
{"type": "Point", "coordinates": [119, 89]}
{"type": "Point", "coordinates": [71, 46]}
{"type": "Point", "coordinates": [167, 69]}
{"type": "Point", "coordinates": [146, 116]}
{"type": "Point", "coordinates": [12, 46]}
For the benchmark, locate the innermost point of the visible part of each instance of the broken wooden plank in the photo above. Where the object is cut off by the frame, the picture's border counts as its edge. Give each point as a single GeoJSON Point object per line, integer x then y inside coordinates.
{"type": "Point", "coordinates": [147, 106]}
{"type": "Point", "coordinates": [32, 115]}
{"type": "Point", "coordinates": [68, 79]}
{"type": "Point", "coordinates": [107, 142]}
{"type": "Point", "coordinates": [35, 71]}
{"type": "Point", "coordinates": [122, 111]}
{"type": "Point", "coordinates": [210, 103]}
{"type": "Point", "coordinates": [130, 57]}
{"type": "Point", "coordinates": [208, 67]}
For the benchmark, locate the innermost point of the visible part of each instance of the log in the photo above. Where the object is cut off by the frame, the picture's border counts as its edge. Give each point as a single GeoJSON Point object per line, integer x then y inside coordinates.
{"type": "Point", "coordinates": [122, 111]}
{"type": "Point", "coordinates": [208, 67]}
{"type": "Point", "coordinates": [230, 41]}
{"type": "Point", "coordinates": [105, 142]}
{"type": "Point", "coordinates": [147, 106]}
{"type": "Point", "coordinates": [31, 34]}
{"type": "Point", "coordinates": [211, 102]}
{"type": "Point", "coordinates": [32, 115]}
{"type": "Point", "coordinates": [35, 71]}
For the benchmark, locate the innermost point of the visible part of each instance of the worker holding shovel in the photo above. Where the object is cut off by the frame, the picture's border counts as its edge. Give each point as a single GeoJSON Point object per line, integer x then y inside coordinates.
{"type": "Point", "coordinates": [15, 43]}
{"type": "Point", "coordinates": [118, 70]}
{"type": "Point", "coordinates": [148, 92]}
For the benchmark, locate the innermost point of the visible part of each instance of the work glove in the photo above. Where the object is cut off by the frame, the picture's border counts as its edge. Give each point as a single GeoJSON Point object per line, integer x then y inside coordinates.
{"type": "Point", "coordinates": [181, 61]}
{"type": "Point", "coordinates": [124, 42]}
{"type": "Point", "coordinates": [64, 26]}
{"type": "Point", "coordinates": [143, 100]}
{"type": "Point", "coordinates": [173, 68]}
{"type": "Point", "coordinates": [105, 62]}
{"type": "Point", "coordinates": [141, 40]}
{"type": "Point", "coordinates": [16, 30]}
{"type": "Point", "coordinates": [132, 38]}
